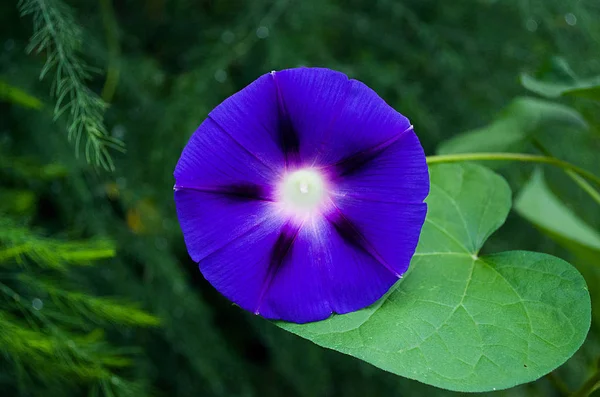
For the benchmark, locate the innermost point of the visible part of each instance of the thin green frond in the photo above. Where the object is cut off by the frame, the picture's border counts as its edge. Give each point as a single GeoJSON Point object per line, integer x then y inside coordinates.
{"type": "Point", "coordinates": [94, 308]}
{"type": "Point", "coordinates": [28, 168]}
{"type": "Point", "coordinates": [17, 202]}
{"type": "Point", "coordinates": [17, 244]}
{"type": "Point", "coordinates": [55, 358]}
{"type": "Point", "coordinates": [57, 35]}
{"type": "Point", "coordinates": [52, 353]}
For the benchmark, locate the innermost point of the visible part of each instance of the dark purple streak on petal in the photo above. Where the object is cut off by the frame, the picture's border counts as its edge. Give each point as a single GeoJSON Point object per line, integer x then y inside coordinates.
{"type": "Point", "coordinates": [280, 251]}
{"type": "Point", "coordinates": [288, 137]}
{"type": "Point", "coordinates": [350, 233]}
{"type": "Point", "coordinates": [239, 191]}
{"type": "Point", "coordinates": [324, 274]}
{"type": "Point", "coordinates": [391, 228]}
{"type": "Point", "coordinates": [355, 162]}
{"type": "Point", "coordinates": [398, 175]}
{"type": "Point", "coordinates": [314, 99]}
{"type": "Point", "coordinates": [247, 192]}
{"type": "Point", "coordinates": [364, 121]}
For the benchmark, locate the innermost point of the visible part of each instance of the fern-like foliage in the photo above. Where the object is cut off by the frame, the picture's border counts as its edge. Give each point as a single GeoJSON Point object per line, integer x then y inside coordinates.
{"type": "Point", "coordinates": [22, 244]}
{"type": "Point", "coordinates": [51, 334]}
{"type": "Point", "coordinates": [57, 35]}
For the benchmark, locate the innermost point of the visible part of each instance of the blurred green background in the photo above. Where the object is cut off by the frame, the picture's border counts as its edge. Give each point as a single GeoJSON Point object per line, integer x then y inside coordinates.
{"type": "Point", "coordinates": [98, 296]}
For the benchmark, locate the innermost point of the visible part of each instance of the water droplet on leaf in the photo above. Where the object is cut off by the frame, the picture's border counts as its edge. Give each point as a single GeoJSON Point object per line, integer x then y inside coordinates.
{"type": "Point", "coordinates": [221, 75]}
{"type": "Point", "coordinates": [37, 304]}
{"type": "Point", "coordinates": [262, 32]}
{"type": "Point", "coordinates": [531, 25]}
{"type": "Point", "coordinates": [570, 19]}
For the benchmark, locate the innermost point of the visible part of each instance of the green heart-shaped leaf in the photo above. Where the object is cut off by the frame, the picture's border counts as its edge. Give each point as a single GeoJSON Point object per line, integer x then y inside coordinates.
{"type": "Point", "coordinates": [458, 320]}
{"type": "Point", "coordinates": [540, 206]}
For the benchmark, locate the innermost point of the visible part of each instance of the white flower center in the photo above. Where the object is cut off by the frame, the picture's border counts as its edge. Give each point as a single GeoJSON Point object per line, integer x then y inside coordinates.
{"type": "Point", "coordinates": [303, 190]}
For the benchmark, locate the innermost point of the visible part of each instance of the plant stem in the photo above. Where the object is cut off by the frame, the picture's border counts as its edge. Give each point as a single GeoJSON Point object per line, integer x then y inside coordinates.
{"type": "Point", "coordinates": [582, 183]}
{"type": "Point", "coordinates": [114, 49]}
{"type": "Point", "coordinates": [589, 386]}
{"type": "Point", "coordinates": [529, 158]}
{"type": "Point", "coordinates": [585, 186]}
{"type": "Point", "coordinates": [558, 384]}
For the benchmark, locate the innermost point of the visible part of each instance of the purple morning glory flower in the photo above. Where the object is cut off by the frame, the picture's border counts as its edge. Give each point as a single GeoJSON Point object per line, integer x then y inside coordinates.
{"type": "Point", "coordinates": [302, 195]}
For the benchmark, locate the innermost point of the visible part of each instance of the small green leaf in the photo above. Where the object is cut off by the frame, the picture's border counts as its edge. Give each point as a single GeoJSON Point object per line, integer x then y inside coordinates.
{"type": "Point", "coordinates": [540, 206]}
{"type": "Point", "coordinates": [585, 88]}
{"type": "Point", "coordinates": [17, 202]}
{"type": "Point", "coordinates": [520, 121]}
{"type": "Point", "coordinates": [461, 321]}
{"type": "Point", "coordinates": [16, 95]}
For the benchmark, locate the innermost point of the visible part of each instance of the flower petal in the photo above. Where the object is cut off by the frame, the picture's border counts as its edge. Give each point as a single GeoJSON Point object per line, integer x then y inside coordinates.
{"type": "Point", "coordinates": [298, 290]}
{"type": "Point", "coordinates": [390, 230]}
{"type": "Point", "coordinates": [212, 160]}
{"type": "Point", "coordinates": [339, 260]}
{"type": "Point", "coordinates": [210, 221]}
{"type": "Point", "coordinates": [383, 200]}
{"type": "Point", "coordinates": [311, 98]}
{"type": "Point", "coordinates": [240, 269]}
{"type": "Point", "coordinates": [366, 121]}
{"type": "Point", "coordinates": [397, 174]}
{"type": "Point", "coordinates": [335, 117]}
{"type": "Point", "coordinates": [322, 274]}
{"type": "Point", "coordinates": [250, 117]}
